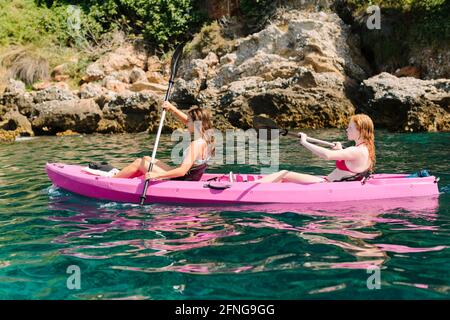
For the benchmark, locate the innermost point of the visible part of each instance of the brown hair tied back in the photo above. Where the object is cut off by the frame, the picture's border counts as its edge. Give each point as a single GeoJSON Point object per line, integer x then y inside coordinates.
{"type": "Point", "coordinates": [202, 115]}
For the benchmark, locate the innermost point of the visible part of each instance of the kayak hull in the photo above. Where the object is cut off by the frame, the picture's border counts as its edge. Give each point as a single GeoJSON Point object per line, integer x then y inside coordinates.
{"type": "Point", "coordinates": [381, 186]}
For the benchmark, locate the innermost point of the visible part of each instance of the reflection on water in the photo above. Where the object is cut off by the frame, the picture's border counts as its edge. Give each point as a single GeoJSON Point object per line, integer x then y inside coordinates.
{"type": "Point", "coordinates": [157, 230]}
{"type": "Point", "coordinates": [192, 230]}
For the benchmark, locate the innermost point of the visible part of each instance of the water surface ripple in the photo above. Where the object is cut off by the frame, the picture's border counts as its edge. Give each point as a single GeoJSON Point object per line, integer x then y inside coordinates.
{"type": "Point", "coordinates": [125, 251]}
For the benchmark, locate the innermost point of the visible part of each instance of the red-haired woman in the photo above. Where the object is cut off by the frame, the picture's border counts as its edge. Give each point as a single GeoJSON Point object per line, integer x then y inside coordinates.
{"type": "Point", "coordinates": [350, 162]}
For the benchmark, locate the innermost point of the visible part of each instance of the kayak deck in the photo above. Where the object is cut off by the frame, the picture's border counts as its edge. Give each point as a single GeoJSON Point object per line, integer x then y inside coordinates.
{"type": "Point", "coordinates": [244, 190]}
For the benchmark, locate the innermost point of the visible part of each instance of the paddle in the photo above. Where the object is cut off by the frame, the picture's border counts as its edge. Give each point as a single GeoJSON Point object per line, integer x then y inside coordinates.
{"type": "Point", "coordinates": [173, 70]}
{"type": "Point", "coordinates": [260, 122]}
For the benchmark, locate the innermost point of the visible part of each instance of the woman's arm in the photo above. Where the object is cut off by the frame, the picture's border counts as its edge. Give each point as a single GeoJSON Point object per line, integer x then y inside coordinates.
{"type": "Point", "coordinates": [350, 153]}
{"type": "Point", "coordinates": [178, 113]}
{"type": "Point", "coordinates": [174, 173]}
{"type": "Point", "coordinates": [192, 152]}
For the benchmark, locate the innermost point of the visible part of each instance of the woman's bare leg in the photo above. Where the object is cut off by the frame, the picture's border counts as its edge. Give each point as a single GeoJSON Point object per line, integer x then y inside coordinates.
{"type": "Point", "coordinates": [302, 178]}
{"type": "Point", "coordinates": [289, 176]}
{"type": "Point", "coordinates": [273, 177]}
{"type": "Point", "coordinates": [158, 166]}
{"type": "Point", "coordinates": [141, 165]}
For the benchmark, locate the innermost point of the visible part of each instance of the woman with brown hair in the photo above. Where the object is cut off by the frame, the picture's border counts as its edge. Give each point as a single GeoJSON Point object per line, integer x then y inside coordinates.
{"type": "Point", "coordinates": [351, 162]}
{"type": "Point", "coordinates": [197, 120]}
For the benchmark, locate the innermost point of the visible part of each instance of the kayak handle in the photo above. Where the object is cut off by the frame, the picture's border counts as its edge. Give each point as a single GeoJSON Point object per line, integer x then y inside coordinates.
{"type": "Point", "coordinates": [217, 185]}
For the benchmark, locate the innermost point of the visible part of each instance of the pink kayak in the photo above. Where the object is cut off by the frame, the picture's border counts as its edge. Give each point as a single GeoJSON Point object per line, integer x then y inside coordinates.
{"type": "Point", "coordinates": [243, 189]}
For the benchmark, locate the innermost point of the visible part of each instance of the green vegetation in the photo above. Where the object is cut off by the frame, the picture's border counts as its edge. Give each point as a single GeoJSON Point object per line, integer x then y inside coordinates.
{"type": "Point", "coordinates": [24, 22]}
{"type": "Point", "coordinates": [162, 23]}
{"type": "Point", "coordinates": [37, 35]}
{"type": "Point", "coordinates": [34, 39]}
{"type": "Point", "coordinates": [20, 22]}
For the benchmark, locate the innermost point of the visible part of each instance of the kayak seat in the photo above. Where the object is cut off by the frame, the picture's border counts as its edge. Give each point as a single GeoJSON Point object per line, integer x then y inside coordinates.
{"type": "Point", "coordinates": [102, 166]}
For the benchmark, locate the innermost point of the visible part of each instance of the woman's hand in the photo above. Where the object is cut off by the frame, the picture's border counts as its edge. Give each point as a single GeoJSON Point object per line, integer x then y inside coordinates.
{"type": "Point", "coordinates": [168, 106]}
{"type": "Point", "coordinates": [303, 137]}
{"type": "Point", "coordinates": [151, 175]}
{"type": "Point", "coordinates": [337, 146]}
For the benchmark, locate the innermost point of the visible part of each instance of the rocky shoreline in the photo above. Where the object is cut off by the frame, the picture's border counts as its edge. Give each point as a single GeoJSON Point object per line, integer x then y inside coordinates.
{"type": "Point", "coordinates": [305, 70]}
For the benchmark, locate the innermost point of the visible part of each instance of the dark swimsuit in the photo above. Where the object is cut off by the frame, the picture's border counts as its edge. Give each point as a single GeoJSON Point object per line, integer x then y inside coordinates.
{"type": "Point", "coordinates": [196, 171]}
{"type": "Point", "coordinates": [194, 174]}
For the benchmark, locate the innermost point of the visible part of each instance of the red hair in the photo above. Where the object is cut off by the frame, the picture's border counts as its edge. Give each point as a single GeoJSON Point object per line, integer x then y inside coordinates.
{"type": "Point", "coordinates": [367, 134]}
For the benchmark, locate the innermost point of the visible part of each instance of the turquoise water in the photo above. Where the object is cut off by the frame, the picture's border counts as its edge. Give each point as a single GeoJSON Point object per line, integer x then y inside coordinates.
{"type": "Point", "coordinates": [125, 251]}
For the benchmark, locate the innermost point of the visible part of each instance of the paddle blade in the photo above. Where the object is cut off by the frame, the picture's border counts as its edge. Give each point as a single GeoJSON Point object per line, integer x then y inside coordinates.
{"type": "Point", "coordinates": [260, 122]}
{"type": "Point", "coordinates": [176, 58]}
{"type": "Point", "coordinates": [266, 127]}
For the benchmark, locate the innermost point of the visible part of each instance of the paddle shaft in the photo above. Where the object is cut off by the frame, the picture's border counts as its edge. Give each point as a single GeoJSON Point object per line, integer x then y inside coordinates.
{"type": "Point", "coordinates": [155, 147]}
{"type": "Point", "coordinates": [260, 122]}
{"type": "Point", "coordinates": [326, 143]}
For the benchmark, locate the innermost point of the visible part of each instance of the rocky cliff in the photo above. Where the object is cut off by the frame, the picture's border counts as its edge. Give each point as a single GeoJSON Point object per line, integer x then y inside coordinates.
{"type": "Point", "coordinates": [305, 69]}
